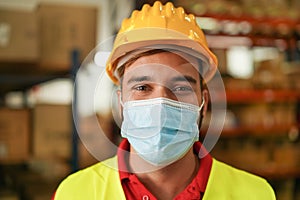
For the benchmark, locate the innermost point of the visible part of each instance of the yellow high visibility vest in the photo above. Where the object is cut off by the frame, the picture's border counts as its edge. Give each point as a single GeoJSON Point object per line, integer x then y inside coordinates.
{"type": "Point", "coordinates": [101, 181]}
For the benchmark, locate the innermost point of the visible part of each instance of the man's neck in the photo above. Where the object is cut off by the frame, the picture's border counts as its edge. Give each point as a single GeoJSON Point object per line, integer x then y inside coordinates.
{"type": "Point", "coordinates": [166, 182]}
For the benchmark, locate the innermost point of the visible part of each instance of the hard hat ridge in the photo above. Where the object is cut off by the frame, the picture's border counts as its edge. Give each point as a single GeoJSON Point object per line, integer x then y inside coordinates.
{"type": "Point", "coordinates": [160, 24]}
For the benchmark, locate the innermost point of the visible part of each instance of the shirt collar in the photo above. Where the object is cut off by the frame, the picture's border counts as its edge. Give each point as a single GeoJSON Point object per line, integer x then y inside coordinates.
{"type": "Point", "coordinates": [199, 149]}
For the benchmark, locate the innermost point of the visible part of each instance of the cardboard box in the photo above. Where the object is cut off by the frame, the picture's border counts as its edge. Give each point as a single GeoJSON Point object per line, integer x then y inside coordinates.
{"type": "Point", "coordinates": [63, 29]}
{"type": "Point", "coordinates": [14, 135]}
{"type": "Point", "coordinates": [52, 131]}
{"type": "Point", "coordinates": [19, 38]}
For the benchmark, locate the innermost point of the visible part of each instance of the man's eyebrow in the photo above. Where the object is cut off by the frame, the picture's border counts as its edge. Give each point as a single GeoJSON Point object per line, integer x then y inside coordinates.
{"type": "Point", "coordinates": [184, 78]}
{"type": "Point", "coordinates": [138, 79]}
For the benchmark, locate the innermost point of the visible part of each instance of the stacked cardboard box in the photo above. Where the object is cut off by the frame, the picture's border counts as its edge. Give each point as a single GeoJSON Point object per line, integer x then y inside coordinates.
{"type": "Point", "coordinates": [19, 41]}
{"type": "Point", "coordinates": [47, 36]}
{"type": "Point", "coordinates": [14, 135]}
{"type": "Point", "coordinates": [64, 29]}
{"type": "Point", "coordinates": [52, 131]}
{"type": "Point", "coordinates": [51, 140]}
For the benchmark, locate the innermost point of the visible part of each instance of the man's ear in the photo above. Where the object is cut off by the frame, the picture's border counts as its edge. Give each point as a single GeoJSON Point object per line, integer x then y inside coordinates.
{"type": "Point", "coordinates": [206, 99]}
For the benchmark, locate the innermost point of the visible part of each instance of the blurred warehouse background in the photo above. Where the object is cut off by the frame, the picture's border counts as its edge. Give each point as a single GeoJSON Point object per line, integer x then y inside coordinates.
{"type": "Point", "coordinates": [44, 43]}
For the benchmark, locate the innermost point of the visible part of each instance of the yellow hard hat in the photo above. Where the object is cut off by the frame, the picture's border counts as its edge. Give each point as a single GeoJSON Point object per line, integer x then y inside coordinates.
{"type": "Point", "coordinates": [160, 26]}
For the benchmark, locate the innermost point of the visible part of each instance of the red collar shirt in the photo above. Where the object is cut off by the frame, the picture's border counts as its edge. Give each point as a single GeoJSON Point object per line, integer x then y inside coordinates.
{"type": "Point", "coordinates": [134, 189]}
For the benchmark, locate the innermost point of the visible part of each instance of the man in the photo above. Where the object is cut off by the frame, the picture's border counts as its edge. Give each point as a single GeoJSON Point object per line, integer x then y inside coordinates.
{"type": "Point", "coordinates": [161, 62]}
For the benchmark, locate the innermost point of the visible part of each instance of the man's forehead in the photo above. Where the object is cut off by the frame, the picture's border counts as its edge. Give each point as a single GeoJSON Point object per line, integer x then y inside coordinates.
{"type": "Point", "coordinates": [163, 66]}
{"type": "Point", "coordinates": [174, 59]}
{"type": "Point", "coordinates": [135, 53]}
{"type": "Point", "coordinates": [155, 72]}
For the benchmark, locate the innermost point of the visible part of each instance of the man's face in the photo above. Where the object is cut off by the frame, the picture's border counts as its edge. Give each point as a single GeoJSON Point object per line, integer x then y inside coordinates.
{"type": "Point", "coordinates": [165, 74]}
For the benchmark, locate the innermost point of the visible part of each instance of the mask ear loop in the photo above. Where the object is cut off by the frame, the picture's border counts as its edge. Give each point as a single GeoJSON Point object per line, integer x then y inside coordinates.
{"type": "Point", "coordinates": [120, 99]}
{"type": "Point", "coordinates": [202, 104]}
{"type": "Point", "coordinates": [201, 116]}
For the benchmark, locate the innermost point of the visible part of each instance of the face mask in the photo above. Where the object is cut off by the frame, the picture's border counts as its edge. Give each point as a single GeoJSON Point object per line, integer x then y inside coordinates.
{"type": "Point", "coordinates": [160, 130]}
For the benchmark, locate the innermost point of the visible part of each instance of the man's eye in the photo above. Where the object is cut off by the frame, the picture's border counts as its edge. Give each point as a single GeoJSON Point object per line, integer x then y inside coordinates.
{"type": "Point", "coordinates": [141, 88]}
{"type": "Point", "coordinates": [182, 89]}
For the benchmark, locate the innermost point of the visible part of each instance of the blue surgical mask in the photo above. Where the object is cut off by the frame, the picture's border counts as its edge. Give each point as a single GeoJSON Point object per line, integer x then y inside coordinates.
{"type": "Point", "coordinates": [160, 130]}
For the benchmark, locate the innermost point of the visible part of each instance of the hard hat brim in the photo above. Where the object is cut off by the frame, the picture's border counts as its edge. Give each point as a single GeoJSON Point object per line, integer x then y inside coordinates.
{"type": "Point", "coordinates": [159, 38]}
